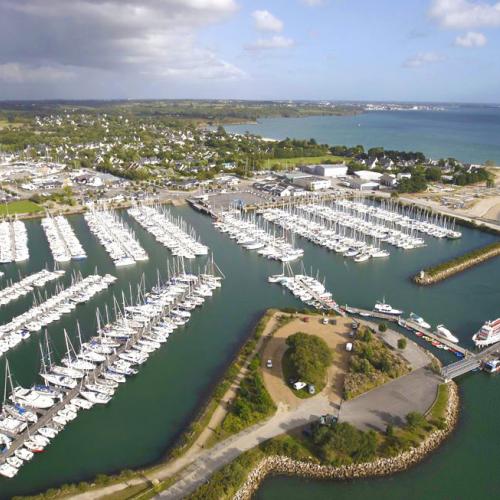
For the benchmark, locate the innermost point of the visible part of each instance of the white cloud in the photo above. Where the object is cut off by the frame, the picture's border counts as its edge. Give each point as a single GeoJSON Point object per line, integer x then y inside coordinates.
{"type": "Point", "coordinates": [465, 14]}
{"type": "Point", "coordinates": [265, 21]}
{"type": "Point", "coordinates": [275, 42]}
{"type": "Point", "coordinates": [20, 73]}
{"type": "Point", "coordinates": [422, 59]}
{"type": "Point", "coordinates": [124, 37]}
{"type": "Point", "coordinates": [471, 39]}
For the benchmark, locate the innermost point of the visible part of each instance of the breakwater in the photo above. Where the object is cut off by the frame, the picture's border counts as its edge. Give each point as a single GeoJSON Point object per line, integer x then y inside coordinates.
{"type": "Point", "coordinates": [454, 266]}
{"type": "Point", "coordinates": [282, 465]}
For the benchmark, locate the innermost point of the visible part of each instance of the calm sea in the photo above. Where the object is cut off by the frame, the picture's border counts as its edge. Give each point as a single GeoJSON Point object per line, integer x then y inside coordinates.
{"type": "Point", "coordinates": [468, 133]}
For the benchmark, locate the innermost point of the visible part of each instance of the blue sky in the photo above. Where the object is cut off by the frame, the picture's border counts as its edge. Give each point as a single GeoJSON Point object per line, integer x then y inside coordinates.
{"type": "Point", "coordinates": [414, 50]}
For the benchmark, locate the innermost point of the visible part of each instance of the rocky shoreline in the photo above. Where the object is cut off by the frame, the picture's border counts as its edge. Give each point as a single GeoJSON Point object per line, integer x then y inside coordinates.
{"type": "Point", "coordinates": [429, 278]}
{"type": "Point", "coordinates": [281, 465]}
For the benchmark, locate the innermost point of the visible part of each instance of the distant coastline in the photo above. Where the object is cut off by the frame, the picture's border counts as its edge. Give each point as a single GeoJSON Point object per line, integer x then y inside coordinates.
{"type": "Point", "coordinates": [467, 133]}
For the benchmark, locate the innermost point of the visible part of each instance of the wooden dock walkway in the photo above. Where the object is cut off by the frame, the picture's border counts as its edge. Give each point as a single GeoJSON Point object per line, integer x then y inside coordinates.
{"type": "Point", "coordinates": [327, 304]}
{"type": "Point", "coordinates": [409, 325]}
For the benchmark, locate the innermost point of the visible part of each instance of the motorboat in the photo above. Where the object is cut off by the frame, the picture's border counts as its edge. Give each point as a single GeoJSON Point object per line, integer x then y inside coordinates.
{"type": "Point", "coordinates": [443, 332]}
{"type": "Point", "coordinates": [419, 321]}
{"type": "Point", "coordinates": [383, 307]}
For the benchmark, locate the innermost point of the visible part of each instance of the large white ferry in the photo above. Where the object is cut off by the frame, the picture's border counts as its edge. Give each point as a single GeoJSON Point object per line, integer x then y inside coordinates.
{"type": "Point", "coordinates": [488, 334]}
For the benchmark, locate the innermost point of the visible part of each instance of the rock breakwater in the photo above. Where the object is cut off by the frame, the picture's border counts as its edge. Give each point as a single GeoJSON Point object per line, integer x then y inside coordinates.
{"type": "Point", "coordinates": [379, 467]}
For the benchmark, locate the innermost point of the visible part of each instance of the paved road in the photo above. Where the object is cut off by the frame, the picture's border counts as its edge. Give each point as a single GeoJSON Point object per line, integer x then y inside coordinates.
{"type": "Point", "coordinates": [373, 410]}
{"type": "Point", "coordinates": [225, 452]}
{"type": "Point", "coordinates": [390, 403]}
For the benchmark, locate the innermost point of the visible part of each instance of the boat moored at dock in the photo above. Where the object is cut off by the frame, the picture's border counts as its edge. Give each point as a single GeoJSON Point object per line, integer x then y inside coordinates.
{"type": "Point", "coordinates": [488, 334]}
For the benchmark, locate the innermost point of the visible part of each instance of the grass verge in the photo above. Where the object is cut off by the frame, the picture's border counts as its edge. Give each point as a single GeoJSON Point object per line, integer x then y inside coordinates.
{"type": "Point", "coordinates": [20, 207]}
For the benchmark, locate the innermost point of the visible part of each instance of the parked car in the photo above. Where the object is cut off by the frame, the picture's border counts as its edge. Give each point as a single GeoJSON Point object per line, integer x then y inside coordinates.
{"type": "Point", "coordinates": [269, 363]}
{"type": "Point", "coordinates": [299, 385]}
{"type": "Point", "coordinates": [348, 347]}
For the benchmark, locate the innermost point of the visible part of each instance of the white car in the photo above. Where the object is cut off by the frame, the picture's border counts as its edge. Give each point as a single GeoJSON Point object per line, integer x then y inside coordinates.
{"type": "Point", "coordinates": [299, 385]}
{"type": "Point", "coordinates": [269, 363]}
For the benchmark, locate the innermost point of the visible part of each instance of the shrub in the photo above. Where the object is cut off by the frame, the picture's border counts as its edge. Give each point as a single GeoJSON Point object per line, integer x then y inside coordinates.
{"type": "Point", "coordinates": [415, 420]}
{"type": "Point", "coordinates": [382, 327]}
{"type": "Point", "coordinates": [371, 364]}
{"type": "Point", "coordinates": [309, 357]}
{"type": "Point", "coordinates": [343, 443]}
{"type": "Point", "coordinates": [251, 404]}
{"type": "Point", "coordinates": [402, 343]}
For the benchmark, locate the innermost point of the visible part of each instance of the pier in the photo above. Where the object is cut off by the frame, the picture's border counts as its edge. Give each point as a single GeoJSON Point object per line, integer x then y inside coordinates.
{"type": "Point", "coordinates": [409, 325]}
{"type": "Point", "coordinates": [202, 207]}
{"type": "Point", "coordinates": [45, 416]}
{"type": "Point", "coordinates": [326, 304]}
{"type": "Point", "coordinates": [471, 360]}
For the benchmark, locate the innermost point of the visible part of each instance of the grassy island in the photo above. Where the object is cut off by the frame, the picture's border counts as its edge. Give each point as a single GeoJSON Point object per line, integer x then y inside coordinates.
{"type": "Point", "coordinates": [451, 267]}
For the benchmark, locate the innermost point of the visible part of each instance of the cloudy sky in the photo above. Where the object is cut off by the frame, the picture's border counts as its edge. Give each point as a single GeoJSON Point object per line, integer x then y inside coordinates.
{"type": "Point", "coordinates": [438, 50]}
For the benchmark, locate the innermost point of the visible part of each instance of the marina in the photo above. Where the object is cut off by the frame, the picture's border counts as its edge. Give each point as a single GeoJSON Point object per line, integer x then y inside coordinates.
{"type": "Point", "coordinates": [94, 372]}
{"type": "Point", "coordinates": [118, 240]}
{"type": "Point", "coordinates": [248, 233]}
{"type": "Point", "coordinates": [62, 240]}
{"type": "Point", "coordinates": [26, 285]}
{"type": "Point", "coordinates": [307, 289]}
{"type": "Point", "coordinates": [357, 229]}
{"type": "Point", "coordinates": [217, 330]}
{"type": "Point", "coordinates": [172, 232]}
{"type": "Point", "coordinates": [13, 242]}
{"type": "Point", "coordinates": [51, 309]}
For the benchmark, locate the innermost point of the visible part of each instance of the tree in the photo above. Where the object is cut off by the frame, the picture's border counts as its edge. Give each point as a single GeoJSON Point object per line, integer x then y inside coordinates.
{"type": "Point", "coordinates": [402, 343]}
{"type": "Point", "coordinates": [382, 327]}
{"type": "Point", "coordinates": [309, 357]}
{"type": "Point", "coordinates": [378, 152]}
{"type": "Point", "coordinates": [433, 174]}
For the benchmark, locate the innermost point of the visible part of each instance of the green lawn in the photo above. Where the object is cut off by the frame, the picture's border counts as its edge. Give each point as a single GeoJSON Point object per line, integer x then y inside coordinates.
{"type": "Point", "coordinates": [304, 160]}
{"type": "Point", "coordinates": [20, 207]}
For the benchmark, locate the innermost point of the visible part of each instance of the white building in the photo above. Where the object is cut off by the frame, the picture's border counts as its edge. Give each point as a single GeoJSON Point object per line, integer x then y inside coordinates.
{"type": "Point", "coordinates": [368, 175]}
{"type": "Point", "coordinates": [313, 183]}
{"type": "Point", "coordinates": [326, 170]}
{"type": "Point", "coordinates": [389, 180]}
{"type": "Point", "coordinates": [363, 185]}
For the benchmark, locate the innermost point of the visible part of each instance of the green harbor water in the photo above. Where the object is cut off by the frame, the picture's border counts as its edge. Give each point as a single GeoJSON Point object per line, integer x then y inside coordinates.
{"type": "Point", "coordinates": [153, 408]}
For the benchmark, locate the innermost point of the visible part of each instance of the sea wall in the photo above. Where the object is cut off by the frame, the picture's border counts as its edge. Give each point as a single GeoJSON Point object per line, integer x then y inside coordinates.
{"type": "Point", "coordinates": [281, 465]}
{"type": "Point", "coordinates": [444, 270]}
